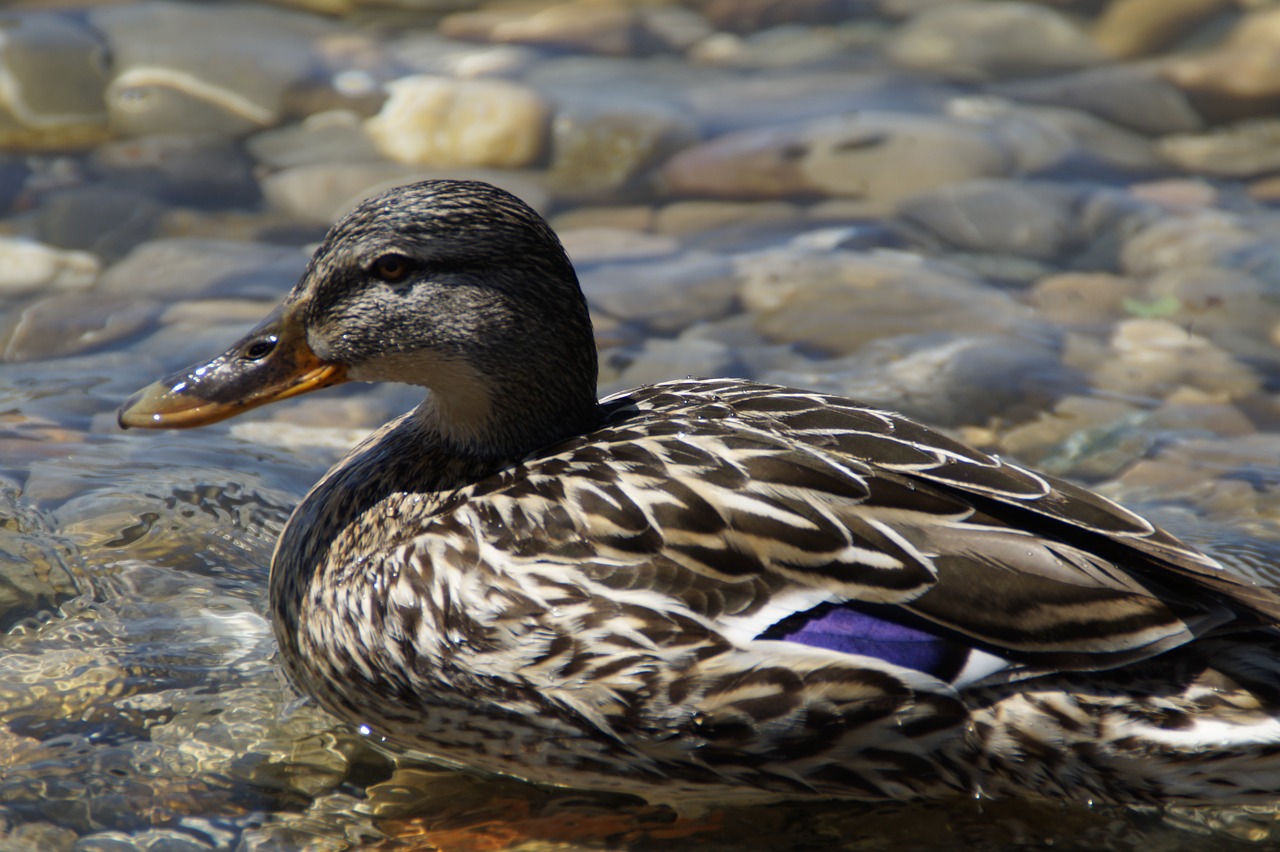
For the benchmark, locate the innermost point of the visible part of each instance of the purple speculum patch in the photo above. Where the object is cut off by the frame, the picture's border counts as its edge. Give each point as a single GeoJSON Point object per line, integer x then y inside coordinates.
{"type": "Point", "coordinates": [855, 631]}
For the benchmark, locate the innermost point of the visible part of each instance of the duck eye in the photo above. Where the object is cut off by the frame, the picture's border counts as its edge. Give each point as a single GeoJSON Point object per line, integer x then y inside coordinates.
{"type": "Point", "coordinates": [260, 348]}
{"type": "Point", "coordinates": [392, 268]}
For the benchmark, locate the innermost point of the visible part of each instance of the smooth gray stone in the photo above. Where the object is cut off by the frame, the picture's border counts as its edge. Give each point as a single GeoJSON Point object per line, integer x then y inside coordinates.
{"type": "Point", "coordinates": [195, 68]}
{"type": "Point", "coordinates": [1132, 96]}
{"type": "Point", "coordinates": [978, 41]}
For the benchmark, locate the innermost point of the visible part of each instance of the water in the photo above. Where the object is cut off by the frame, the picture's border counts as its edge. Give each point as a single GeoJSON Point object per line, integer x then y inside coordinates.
{"type": "Point", "coordinates": [1051, 270]}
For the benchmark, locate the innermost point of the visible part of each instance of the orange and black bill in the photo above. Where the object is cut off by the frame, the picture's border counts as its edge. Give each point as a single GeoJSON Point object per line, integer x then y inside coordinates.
{"type": "Point", "coordinates": [270, 363]}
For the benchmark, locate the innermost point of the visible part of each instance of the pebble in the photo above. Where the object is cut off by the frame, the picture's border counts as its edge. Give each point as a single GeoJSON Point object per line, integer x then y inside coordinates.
{"type": "Point", "coordinates": [248, 741]}
{"type": "Point", "coordinates": [600, 147]}
{"type": "Point", "coordinates": [944, 379]}
{"type": "Point", "coordinates": [1062, 141]}
{"type": "Point", "coordinates": [666, 294]}
{"type": "Point", "coordinates": [27, 266]}
{"type": "Point", "coordinates": [1248, 149]}
{"type": "Point", "coordinates": [52, 76]}
{"type": "Point", "coordinates": [1197, 239]}
{"type": "Point", "coordinates": [1137, 97]}
{"type": "Point", "coordinates": [69, 324]}
{"type": "Point", "coordinates": [789, 47]}
{"type": "Point", "coordinates": [726, 103]}
{"type": "Point", "coordinates": [200, 172]}
{"type": "Point", "coordinates": [1266, 190]}
{"type": "Point", "coordinates": [436, 121]}
{"type": "Point", "coordinates": [1131, 28]}
{"type": "Point", "coordinates": [1225, 474]}
{"type": "Point", "coordinates": [685, 218]}
{"type": "Point", "coordinates": [43, 836]}
{"type": "Point", "coordinates": [337, 136]}
{"type": "Point", "coordinates": [1083, 298]}
{"type": "Point", "coordinates": [1082, 436]}
{"type": "Point", "coordinates": [1235, 309]}
{"type": "Point", "coordinates": [273, 433]}
{"type": "Point", "coordinates": [42, 572]}
{"type": "Point", "coordinates": [676, 28]}
{"type": "Point", "coordinates": [998, 216]}
{"type": "Point", "coordinates": [430, 53]}
{"type": "Point", "coordinates": [614, 29]}
{"type": "Point", "coordinates": [976, 41]}
{"type": "Point", "coordinates": [875, 156]}
{"type": "Point", "coordinates": [98, 218]}
{"type": "Point", "coordinates": [743, 16]}
{"type": "Point", "coordinates": [1237, 79]}
{"type": "Point", "coordinates": [614, 217]}
{"type": "Point", "coordinates": [566, 78]}
{"type": "Point", "coordinates": [660, 359]}
{"type": "Point", "coordinates": [1062, 223]}
{"type": "Point", "coordinates": [186, 269]}
{"type": "Point", "coordinates": [175, 66]}
{"type": "Point", "coordinates": [321, 193]}
{"type": "Point", "coordinates": [840, 301]}
{"type": "Point", "coordinates": [1179, 195]}
{"type": "Point", "coordinates": [168, 840]}
{"type": "Point", "coordinates": [1154, 358]}
{"type": "Point", "coordinates": [595, 244]}
{"type": "Point", "coordinates": [753, 354]}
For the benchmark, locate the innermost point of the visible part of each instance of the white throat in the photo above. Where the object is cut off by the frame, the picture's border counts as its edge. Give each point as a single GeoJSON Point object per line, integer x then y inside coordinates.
{"type": "Point", "coordinates": [460, 407]}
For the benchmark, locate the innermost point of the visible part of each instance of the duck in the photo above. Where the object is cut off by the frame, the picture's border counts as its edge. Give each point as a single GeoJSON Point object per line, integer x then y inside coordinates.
{"type": "Point", "coordinates": [709, 592]}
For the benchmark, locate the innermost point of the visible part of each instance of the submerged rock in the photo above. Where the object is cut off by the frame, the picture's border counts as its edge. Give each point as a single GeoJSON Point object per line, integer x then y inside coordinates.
{"type": "Point", "coordinates": [52, 78]}
{"type": "Point", "coordinates": [991, 41]}
{"type": "Point", "coordinates": [1129, 28]}
{"type": "Point", "coordinates": [435, 121]}
{"type": "Point", "coordinates": [1136, 97]}
{"type": "Point", "coordinates": [27, 266]}
{"type": "Point", "coordinates": [1155, 358]}
{"type": "Point", "coordinates": [608, 28]}
{"type": "Point", "coordinates": [175, 269]}
{"type": "Point", "coordinates": [1238, 78]}
{"type": "Point", "coordinates": [839, 301]}
{"type": "Point", "coordinates": [1245, 150]}
{"type": "Point", "coordinates": [191, 68]}
{"type": "Point", "coordinates": [666, 294]}
{"type": "Point", "coordinates": [876, 156]}
{"type": "Point", "coordinates": [599, 146]}
{"type": "Point", "coordinates": [69, 324]}
{"type": "Point", "coordinates": [320, 193]}
{"type": "Point", "coordinates": [944, 379]}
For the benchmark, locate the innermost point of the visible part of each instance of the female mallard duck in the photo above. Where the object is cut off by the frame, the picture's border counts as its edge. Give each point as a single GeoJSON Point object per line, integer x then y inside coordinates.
{"type": "Point", "coordinates": [709, 591]}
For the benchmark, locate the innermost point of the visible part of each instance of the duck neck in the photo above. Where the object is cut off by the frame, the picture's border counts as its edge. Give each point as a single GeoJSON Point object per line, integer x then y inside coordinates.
{"type": "Point", "coordinates": [470, 413]}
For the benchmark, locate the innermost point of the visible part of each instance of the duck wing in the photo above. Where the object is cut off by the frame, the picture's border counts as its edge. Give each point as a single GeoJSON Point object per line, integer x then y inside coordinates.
{"type": "Point", "coordinates": [772, 513]}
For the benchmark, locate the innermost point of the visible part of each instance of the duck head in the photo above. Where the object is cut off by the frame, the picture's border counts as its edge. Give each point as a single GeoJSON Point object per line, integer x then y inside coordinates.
{"type": "Point", "coordinates": [456, 286]}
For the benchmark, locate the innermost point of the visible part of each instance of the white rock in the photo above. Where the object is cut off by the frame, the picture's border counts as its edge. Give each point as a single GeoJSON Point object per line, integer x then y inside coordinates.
{"type": "Point", "coordinates": [27, 266]}
{"type": "Point", "coordinates": [1154, 358]}
{"type": "Point", "coordinates": [437, 121]}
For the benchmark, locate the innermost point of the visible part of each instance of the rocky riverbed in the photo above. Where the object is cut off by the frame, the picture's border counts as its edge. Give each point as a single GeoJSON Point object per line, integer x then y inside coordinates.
{"type": "Point", "coordinates": [1048, 227]}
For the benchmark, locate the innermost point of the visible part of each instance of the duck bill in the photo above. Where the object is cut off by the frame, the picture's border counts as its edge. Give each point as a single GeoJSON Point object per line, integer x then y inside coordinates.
{"type": "Point", "coordinates": [270, 363]}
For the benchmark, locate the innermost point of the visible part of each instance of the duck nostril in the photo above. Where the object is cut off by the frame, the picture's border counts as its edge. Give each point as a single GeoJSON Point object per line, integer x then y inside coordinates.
{"type": "Point", "coordinates": [260, 348]}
